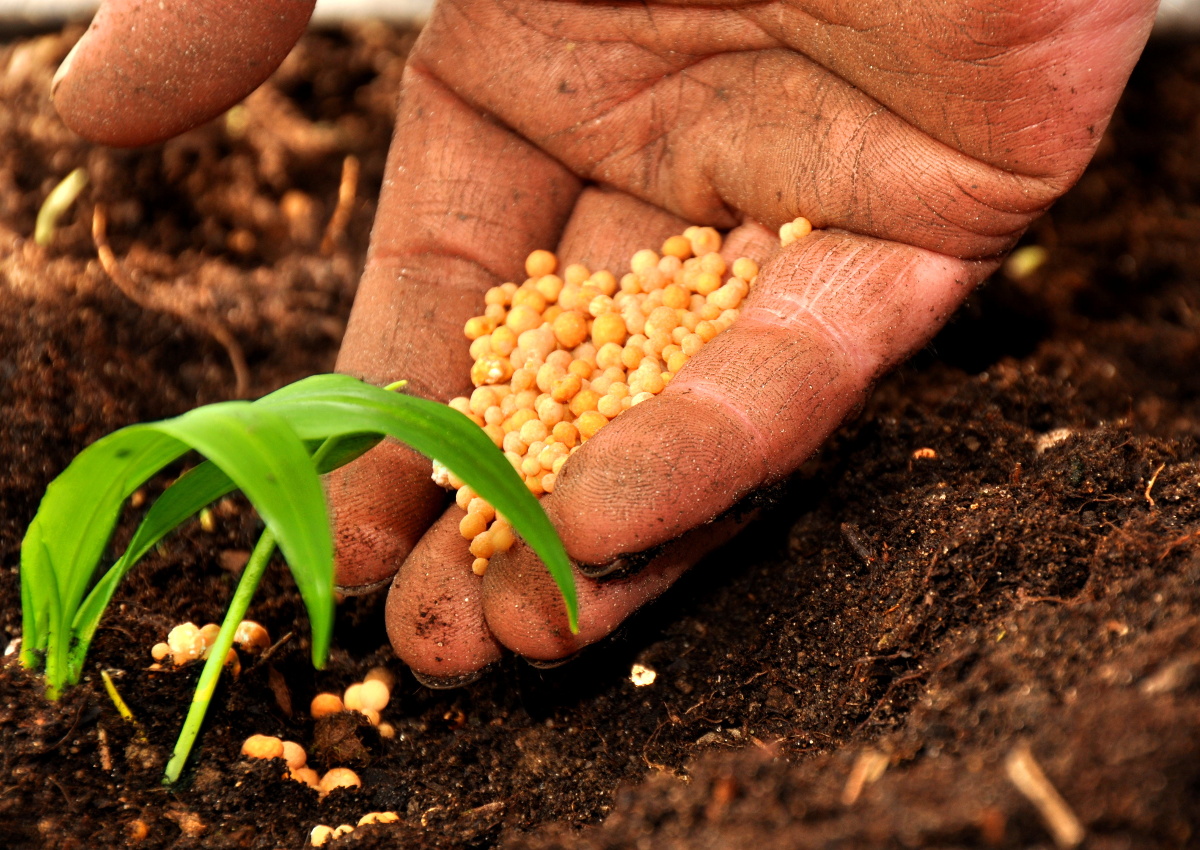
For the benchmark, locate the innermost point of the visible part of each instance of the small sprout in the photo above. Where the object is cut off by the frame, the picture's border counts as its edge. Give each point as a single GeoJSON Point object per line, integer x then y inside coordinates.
{"type": "Point", "coordinates": [925, 453]}
{"type": "Point", "coordinates": [160, 651]}
{"type": "Point", "coordinates": [344, 829]}
{"type": "Point", "coordinates": [378, 817]}
{"type": "Point", "coordinates": [294, 755]}
{"type": "Point", "coordinates": [111, 689]}
{"type": "Point", "coordinates": [251, 636]}
{"type": "Point", "coordinates": [371, 714]}
{"type": "Point", "coordinates": [326, 704]}
{"type": "Point", "coordinates": [338, 777]}
{"type": "Point", "coordinates": [260, 446]}
{"type": "Point", "coordinates": [208, 522]}
{"type": "Point", "coordinates": [263, 747]}
{"type": "Point", "coordinates": [320, 835]}
{"type": "Point", "coordinates": [59, 200]}
{"type": "Point", "coordinates": [387, 731]}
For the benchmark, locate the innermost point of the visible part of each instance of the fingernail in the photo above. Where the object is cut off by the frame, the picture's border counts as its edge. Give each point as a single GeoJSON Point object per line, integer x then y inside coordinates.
{"type": "Point", "coordinates": [620, 567]}
{"type": "Point", "coordinates": [445, 683]}
{"type": "Point", "coordinates": [549, 663]}
{"type": "Point", "coordinates": [362, 589]}
{"type": "Point", "coordinates": [65, 67]}
{"type": "Point", "coordinates": [603, 570]}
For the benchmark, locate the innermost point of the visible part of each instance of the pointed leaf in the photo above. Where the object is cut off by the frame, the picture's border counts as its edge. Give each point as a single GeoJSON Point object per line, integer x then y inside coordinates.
{"type": "Point", "coordinates": [327, 405]}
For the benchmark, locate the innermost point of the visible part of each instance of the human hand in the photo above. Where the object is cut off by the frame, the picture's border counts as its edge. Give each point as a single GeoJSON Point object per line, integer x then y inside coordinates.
{"type": "Point", "coordinates": [921, 138]}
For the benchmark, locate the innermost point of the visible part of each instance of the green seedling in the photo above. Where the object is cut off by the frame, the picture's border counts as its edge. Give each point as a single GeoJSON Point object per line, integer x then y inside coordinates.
{"type": "Point", "coordinates": [273, 450]}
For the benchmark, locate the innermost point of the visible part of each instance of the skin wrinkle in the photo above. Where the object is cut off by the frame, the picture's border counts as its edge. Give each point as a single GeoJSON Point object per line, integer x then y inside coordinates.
{"type": "Point", "coordinates": [840, 55]}
{"type": "Point", "coordinates": [796, 400]}
{"type": "Point", "coordinates": [631, 167]}
{"type": "Point", "coordinates": [750, 432]}
{"type": "Point", "coordinates": [829, 269]}
{"type": "Point", "coordinates": [466, 247]}
{"type": "Point", "coordinates": [928, 154]}
{"type": "Point", "coordinates": [711, 35]}
{"type": "Point", "coordinates": [388, 259]}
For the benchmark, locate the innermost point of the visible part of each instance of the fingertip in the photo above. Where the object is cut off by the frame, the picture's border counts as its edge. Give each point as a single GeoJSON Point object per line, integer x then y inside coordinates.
{"type": "Point", "coordinates": [750, 239]}
{"type": "Point", "coordinates": [525, 611]}
{"type": "Point", "coordinates": [434, 610]}
{"type": "Point", "coordinates": [607, 226]}
{"type": "Point", "coordinates": [144, 72]}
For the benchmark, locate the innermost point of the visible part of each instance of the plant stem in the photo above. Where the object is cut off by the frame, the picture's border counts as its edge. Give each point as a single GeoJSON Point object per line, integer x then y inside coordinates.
{"type": "Point", "coordinates": [238, 606]}
{"type": "Point", "coordinates": [251, 576]}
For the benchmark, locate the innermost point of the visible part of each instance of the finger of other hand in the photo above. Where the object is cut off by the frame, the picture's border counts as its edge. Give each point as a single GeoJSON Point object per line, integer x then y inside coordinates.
{"type": "Point", "coordinates": [144, 72]}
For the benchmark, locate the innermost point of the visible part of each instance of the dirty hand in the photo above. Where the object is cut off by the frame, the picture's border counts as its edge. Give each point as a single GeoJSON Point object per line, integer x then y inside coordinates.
{"type": "Point", "coordinates": [921, 138]}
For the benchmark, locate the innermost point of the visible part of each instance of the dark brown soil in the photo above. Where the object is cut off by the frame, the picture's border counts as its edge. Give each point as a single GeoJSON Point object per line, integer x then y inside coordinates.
{"type": "Point", "coordinates": [1010, 588]}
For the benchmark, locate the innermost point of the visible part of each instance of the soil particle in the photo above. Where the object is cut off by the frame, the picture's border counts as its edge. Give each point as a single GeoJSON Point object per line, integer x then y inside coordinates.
{"type": "Point", "coordinates": [1000, 555]}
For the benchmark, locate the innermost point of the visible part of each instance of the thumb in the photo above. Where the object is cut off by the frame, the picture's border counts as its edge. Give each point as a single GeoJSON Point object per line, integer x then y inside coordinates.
{"type": "Point", "coordinates": [144, 72]}
{"type": "Point", "coordinates": [828, 316]}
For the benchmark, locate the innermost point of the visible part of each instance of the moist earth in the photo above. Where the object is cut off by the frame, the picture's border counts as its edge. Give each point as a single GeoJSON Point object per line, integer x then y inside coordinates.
{"type": "Point", "coordinates": [994, 568]}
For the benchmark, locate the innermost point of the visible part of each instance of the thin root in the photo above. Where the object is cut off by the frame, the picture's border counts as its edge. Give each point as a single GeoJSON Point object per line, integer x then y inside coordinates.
{"type": "Point", "coordinates": [1026, 774]}
{"type": "Point", "coordinates": [1150, 484]}
{"type": "Point", "coordinates": [151, 301]}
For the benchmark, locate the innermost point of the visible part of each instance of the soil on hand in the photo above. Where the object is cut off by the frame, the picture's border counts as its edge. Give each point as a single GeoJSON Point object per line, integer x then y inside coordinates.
{"type": "Point", "coordinates": [993, 573]}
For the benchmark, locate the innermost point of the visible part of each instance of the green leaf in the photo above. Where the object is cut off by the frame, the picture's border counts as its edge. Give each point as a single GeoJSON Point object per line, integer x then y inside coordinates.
{"type": "Point", "coordinates": [327, 405]}
{"type": "Point", "coordinates": [260, 448]}
{"type": "Point", "coordinates": [67, 537]}
{"type": "Point", "coordinates": [262, 455]}
{"type": "Point", "coordinates": [193, 490]}
{"type": "Point", "coordinates": [253, 446]}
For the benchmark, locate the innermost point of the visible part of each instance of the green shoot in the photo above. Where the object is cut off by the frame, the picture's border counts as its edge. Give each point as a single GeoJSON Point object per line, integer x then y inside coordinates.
{"type": "Point", "coordinates": [58, 202]}
{"type": "Point", "coordinates": [273, 450]}
{"type": "Point", "coordinates": [211, 673]}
